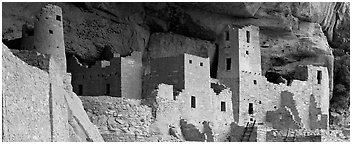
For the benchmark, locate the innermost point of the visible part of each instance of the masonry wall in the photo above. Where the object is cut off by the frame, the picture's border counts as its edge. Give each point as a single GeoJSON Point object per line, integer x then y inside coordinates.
{"type": "Point", "coordinates": [131, 76]}
{"type": "Point", "coordinates": [267, 96]}
{"type": "Point", "coordinates": [49, 34]}
{"type": "Point", "coordinates": [33, 58]}
{"type": "Point", "coordinates": [95, 80]}
{"type": "Point", "coordinates": [249, 50]}
{"type": "Point", "coordinates": [27, 40]}
{"type": "Point", "coordinates": [197, 84]}
{"type": "Point", "coordinates": [169, 70]}
{"type": "Point", "coordinates": [221, 125]}
{"type": "Point", "coordinates": [25, 101]}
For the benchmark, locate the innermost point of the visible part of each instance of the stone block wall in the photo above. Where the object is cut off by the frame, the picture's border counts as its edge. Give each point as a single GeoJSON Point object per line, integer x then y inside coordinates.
{"type": "Point", "coordinates": [221, 125]}
{"type": "Point", "coordinates": [33, 58]}
{"type": "Point", "coordinates": [248, 47]}
{"type": "Point", "coordinates": [302, 104]}
{"type": "Point", "coordinates": [96, 80]}
{"type": "Point", "coordinates": [131, 76]}
{"type": "Point", "coordinates": [168, 70]}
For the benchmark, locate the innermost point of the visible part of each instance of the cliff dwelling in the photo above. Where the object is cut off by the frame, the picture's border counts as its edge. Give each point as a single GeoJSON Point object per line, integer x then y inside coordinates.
{"type": "Point", "coordinates": [117, 76]}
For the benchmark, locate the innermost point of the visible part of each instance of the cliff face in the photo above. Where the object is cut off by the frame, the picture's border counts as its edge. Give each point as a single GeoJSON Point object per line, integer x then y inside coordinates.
{"type": "Point", "coordinates": [290, 33]}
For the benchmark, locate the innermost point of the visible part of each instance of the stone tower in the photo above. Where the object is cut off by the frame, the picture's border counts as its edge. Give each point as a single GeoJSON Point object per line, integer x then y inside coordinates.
{"type": "Point", "coordinates": [239, 51]}
{"type": "Point", "coordinates": [49, 36]}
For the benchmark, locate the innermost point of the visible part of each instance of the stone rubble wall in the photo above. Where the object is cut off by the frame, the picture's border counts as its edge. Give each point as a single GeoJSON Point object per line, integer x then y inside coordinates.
{"type": "Point", "coordinates": [122, 120]}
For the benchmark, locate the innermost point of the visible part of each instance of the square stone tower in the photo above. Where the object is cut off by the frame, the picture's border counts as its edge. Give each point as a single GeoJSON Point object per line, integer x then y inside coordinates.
{"type": "Point", "coordinates": [238, 51]}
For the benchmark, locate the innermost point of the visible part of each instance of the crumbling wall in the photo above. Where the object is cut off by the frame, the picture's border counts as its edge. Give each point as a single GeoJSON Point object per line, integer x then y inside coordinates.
{"type": "Point", "coordinates": [33, 58]}
{"type": "Point", "coordinates": [97, 79]}
{"type": "Point", "coordinates": [265, 96]}
{"type": "Point", "coordinates": [167, 114]}
{"type": "Point", "coordinates": [118, 116]}
{"type": "Point", "coordinates": [221, 125]}
{"type": "Point", "coordinates": [190, 132]}
{"type": "Point", "coordinates": [25, 101]}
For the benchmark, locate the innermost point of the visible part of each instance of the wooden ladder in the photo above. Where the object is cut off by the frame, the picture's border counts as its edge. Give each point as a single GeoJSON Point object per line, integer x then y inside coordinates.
{"type": "Point", "coordinates": [290, 139]}
{"type": "Point", "coordinates": [247, 132]}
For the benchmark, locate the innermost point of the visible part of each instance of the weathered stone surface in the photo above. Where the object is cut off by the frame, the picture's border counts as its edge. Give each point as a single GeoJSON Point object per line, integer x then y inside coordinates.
{"type": "Point", "coordinates": [47, 109]}
{"type": "Point", "coordinates": [25, 101]}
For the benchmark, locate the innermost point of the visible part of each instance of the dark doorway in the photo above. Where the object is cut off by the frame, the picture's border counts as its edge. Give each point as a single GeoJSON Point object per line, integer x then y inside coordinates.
{"type": "Point", "coordinates": [250, 109]}
{"type": "Point", "coordinates": [80, 89]}
{"type": "Point", "coordinates": [228, 63]}
{"type": "Point", "coordinates": [223, 106]}
{"type": "Point", "coordinates": [227, 35]}
{"type": "Point", "coordinates": [107, 89]}
{"type": "Point", "coordinates": [193, 102]}
{"type": "Point", "coordinates": [248, 36]}
{"type": "Point", "coordinates": [319, 76]}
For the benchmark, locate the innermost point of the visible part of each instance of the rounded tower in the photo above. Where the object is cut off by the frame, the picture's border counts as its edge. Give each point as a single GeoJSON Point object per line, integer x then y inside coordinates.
{"type": "Point", "coordinates": [49, 34]}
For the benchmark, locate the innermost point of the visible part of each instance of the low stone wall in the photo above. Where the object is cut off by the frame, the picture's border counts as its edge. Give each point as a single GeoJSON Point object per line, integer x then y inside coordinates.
{"type": "Point", "coordinates": [33, 58]}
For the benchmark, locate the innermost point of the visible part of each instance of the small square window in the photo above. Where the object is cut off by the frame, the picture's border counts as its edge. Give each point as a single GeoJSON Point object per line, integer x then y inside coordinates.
{"type": "Point", "coordinates": [58, 17]}
{"type": "Point", "coordinates": [247, 52]}
{"type": "Point", "coordinates": [190, 61]}
{"type": "Point", "coordinates": [201, 64]}
{"type": "Point", "coordinates": [51, 31]}
{"type": "Point", "coordinates": [255, 81]}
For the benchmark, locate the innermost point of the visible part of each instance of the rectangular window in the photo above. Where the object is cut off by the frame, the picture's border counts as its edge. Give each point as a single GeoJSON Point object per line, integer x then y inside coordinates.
{"type": "Point", "coordinates": [190, 61]}
{"type": "Point", "coordinates": [80, 89]}
{"type": "Point", "coordinates": [228, 63]}
{"type": "Point", "coordinates": [319, 77]}
{"type": "Point", "coordinates": [247, 53]}
{"type": "Point", "coordinates": [223, 106]}
{"type": "Point", "coordinates": [250, 108]}
{"type": "Point", "coordinates": [248, 36]}
{"type": "Point", "coordinates": [227, 35]}
{"type": "Point", "coordinates": [193, 102]}
{"type": "Point", "coordinates": [51, 31]}
{"type": "Point", "coordinates": [255, 81]}
{"type": "Point", "coordinates": [201, 64]}
{"type": "Point", "coordinates": [58, 17]}
{"type": "Point", "coordinates": [107, 88]}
